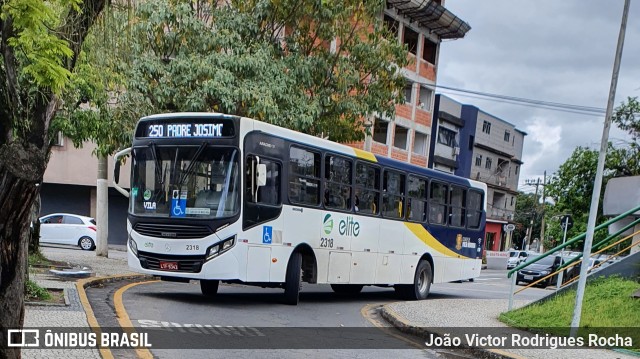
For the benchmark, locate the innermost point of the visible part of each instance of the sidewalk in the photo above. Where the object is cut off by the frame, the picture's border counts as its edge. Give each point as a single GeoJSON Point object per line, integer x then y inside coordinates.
{"type": "Point", "coordinates": [72, 315]}
{"type": "Point", "coordinates": [428, 316]}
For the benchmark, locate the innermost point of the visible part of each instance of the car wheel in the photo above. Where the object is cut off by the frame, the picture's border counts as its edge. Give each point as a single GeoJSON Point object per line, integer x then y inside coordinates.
{"type": "Point", "coordinates": [86, 243]}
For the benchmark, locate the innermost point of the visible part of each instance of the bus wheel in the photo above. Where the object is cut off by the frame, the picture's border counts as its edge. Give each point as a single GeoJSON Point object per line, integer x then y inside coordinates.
{"type": "Point", "coordinates": [347, 288]}
{"type": "Point", "coordinates": [292, 281]}
{"type": "Point", "coordinates": [209, 288]}
{"type": "Point", "coordinates": [421, 283]}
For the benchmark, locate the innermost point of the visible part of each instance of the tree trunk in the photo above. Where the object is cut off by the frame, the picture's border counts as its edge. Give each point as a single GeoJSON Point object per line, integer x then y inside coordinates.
{"type": "Point", "coordinates": [20, 170]}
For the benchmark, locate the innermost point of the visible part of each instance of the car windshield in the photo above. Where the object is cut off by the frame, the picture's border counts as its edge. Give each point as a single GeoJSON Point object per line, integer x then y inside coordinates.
{"type": "Point", "coordinates": [188, 182]}
{"type": "Point", "coordinates": [544, 261]}
{"type": "Point", "coordinates": [513, 254]}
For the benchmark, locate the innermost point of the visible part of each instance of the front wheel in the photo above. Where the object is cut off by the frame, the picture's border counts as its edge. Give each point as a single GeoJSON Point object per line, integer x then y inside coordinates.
{"type": "Point", "coordinates": [347, 288]}
{"type": "Point", "coordinates": [292, 280]}
{"type": "Point", "coordinates": [86, 243]}
{"type": "Point", "coordinates": [209, 288]}
{"type": "Point", "coordinates": [421, 283]}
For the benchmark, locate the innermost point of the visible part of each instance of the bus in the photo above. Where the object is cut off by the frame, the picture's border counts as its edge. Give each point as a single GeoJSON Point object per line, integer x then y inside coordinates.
{"type": "Point", "coordinates": [220, 198]}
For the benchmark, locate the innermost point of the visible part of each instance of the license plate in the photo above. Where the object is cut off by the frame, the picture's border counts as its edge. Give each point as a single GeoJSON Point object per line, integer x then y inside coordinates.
{"type": "Point", "coordinates": [527, 277]}
{"type": "Point", "coordinates": [168, 265]}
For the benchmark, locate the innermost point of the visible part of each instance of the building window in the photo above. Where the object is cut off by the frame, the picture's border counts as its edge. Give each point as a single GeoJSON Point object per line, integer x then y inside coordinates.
{"type": "Point", "coordinates": [420, 143]}
{"type": "Point", "coordinates": [391, 24]}
{"type": "Point", "coordinates": [426, 94]}
{"type": "Point", "coordinates": [408, 92]}
{"type": "Point", "coordinates": [400, 137]}
{"type": "Point", "coordinates": [410, 39]}
{"type": "Point", "coordinates": [57, 139]}
{"type": "Point", "coordinates": [471, 139]}
{"type": "Point", "coordinates": [429, 52]}
{"type": "Point", "coordinates": [507, 135]}
{"type": "Point", "coordinates": [380, 129]}
{"type": "Point", "coordinates": [517, 168]}
{"type": "Point", "coordinates": [486, 127]}
{"type": "Point", "coordinates": [479, 160]}
{"type": "Point", "coordinates": [512, 199]}
{"type": "Point", "coordinates": [487, 164]}
{"type": "Point", "coordinates": [304, 176]}
{"type": "Point", "coordinates": [447, 137]}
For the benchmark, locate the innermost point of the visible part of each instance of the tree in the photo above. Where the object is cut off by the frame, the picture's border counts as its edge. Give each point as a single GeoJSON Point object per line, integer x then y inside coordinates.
{"type": "Point", "coordinates": [627, 117]}
{"type": "Point", "coordinates": [39, 47]}
{"type": "Point", "coordinates": [277, 62]}
{"type": "Point", "coordinates": [525, 211]}
{"type": "Point", "coordinates": [572, 185]}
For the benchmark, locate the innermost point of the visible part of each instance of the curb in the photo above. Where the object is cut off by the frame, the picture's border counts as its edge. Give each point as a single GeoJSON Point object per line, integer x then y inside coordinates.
{"type": "Point", "coordinates": [65, 295]}
{"type": "Point", "coordinates": [81, 284]}
{"type": "Point", "coordinates": [404, 326]}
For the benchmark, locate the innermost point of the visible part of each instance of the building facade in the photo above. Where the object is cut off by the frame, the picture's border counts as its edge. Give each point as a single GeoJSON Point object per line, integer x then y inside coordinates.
{"type": "Point", "coordinates": [471, 143]}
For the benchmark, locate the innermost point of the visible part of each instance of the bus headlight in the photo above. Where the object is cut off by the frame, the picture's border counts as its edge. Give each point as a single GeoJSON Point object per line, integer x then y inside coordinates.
{"type": "Point", "coordinates": [220, 247]}
{"type": "Point", "coordinates": [133, 246]}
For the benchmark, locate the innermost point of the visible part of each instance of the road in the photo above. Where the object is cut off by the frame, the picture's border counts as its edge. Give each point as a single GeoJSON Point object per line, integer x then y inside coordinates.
{"type": "Point", "coordinates": [317, 326]}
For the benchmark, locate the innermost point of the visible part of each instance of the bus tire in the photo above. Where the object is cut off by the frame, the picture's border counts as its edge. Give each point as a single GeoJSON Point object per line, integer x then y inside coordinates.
{"type": "Point", "coordinates": [349, 289]}
{"type": "Point", "coordinates": [292, 280]}
{"type": "Point", "coordinates": [209, 288]}
{"type": "Point", "coordinates": [422, 279]}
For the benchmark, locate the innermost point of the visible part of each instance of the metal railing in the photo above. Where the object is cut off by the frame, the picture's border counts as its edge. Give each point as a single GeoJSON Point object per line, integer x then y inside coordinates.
{"type": "Point", "coordinates": [575, 260]}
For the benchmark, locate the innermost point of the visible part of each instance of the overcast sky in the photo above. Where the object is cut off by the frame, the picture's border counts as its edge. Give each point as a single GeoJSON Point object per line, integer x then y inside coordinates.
{"type": "Point", "coordinates": [550, 50]}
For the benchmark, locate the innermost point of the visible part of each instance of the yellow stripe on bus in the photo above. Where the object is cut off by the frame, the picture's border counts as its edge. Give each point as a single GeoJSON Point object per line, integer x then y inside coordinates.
{"type": "Point", "coordinates": [419, 231]}
{"type": "Point", "coordinates": [365, 155]}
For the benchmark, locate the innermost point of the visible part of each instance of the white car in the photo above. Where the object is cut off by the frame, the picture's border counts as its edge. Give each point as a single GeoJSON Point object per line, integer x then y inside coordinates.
{"type": "Point", "coordinates": [516, 258]}
{"type": "Point", "coordinates": [64, 228]}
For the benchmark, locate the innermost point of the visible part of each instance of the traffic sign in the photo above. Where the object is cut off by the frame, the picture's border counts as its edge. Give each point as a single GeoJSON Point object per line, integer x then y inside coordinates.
{"type": "Point", "coordinates": [566, 220]}
{"type": "Point", "coordinates": [509, 227]}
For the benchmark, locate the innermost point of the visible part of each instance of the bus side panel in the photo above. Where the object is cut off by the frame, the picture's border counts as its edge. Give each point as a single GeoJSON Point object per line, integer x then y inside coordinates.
{"type": "Point", "coordinates": [364, 248]}
{"type": "Point", "coordinates": [390, 246]}
{"type": "Point", "coordinates": [259, 261]}
{"type": "Point", "coordinates": [440, 264]}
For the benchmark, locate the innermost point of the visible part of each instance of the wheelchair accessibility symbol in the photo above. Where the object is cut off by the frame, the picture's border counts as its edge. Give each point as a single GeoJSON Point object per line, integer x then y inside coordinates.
{"type": "Point", "coordinates": [267, 234]}
{"type": "Point", "coordinates": [178, 203]}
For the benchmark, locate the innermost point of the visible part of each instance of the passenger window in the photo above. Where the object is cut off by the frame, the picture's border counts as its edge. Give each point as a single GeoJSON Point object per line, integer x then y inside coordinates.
{"type": "Point", "coordinates": [72, 220]}
{"type": "Point", "coordinates": [474, 208]}
{"type": "Point", "coordinates": [337, 175]}
{"type": "Point", "coordinates": [367, 189]}
{"type": "Point", "coordinates": [52, 220]}
{"type": "Point", "coordinates": [457, 209]}
{"type": "Point", "coordinates": [304, 176]}
{"type": "Point", "coordinates": [393, 192]}
{"type": "Point", "coordinates": [438, 200]}
{"type": "Point", "coordinates": [417, 201]}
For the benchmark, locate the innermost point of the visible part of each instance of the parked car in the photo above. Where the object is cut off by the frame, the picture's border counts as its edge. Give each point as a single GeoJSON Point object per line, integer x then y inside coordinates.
{"type": "Point", "coordinates": [65, 228]}
{"type": "Point", "coordinates": [515, 258]}
{"type": "Point", "coordinates": [543, 268]}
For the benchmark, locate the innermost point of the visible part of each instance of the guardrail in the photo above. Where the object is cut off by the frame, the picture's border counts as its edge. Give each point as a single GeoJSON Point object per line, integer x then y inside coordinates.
{"type": "Point", "coordinates": [568, 243]}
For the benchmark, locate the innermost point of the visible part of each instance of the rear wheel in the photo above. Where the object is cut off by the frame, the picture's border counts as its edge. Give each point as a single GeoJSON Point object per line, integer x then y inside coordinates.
{"type": "Point", "coordinates": [209, 288]}
{"type": "Point", "coordinates": [347, 288]}
{"type": "Point", "coordinates": [86, 243]}
{"type": "Point", "coordinates": [421, 283]}
{"type": "Point", "coordinates": [292, 280]}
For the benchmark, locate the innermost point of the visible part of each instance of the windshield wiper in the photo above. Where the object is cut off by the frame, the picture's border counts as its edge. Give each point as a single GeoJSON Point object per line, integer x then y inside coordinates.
{"type": "Point", "coordinates": [192, 163]}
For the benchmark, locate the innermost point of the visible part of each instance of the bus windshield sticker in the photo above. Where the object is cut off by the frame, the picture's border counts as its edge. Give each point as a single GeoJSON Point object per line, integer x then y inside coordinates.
{"type": "Point", "coordinates": [198, 211]}
{"type": "Point", "coordinates": [178, 203]}
{"type": "Point", "coordinates": [267, 234]}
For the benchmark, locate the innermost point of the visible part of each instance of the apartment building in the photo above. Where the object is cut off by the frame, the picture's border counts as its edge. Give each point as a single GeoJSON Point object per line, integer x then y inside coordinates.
{"type": "Point", "coordinates": [421, 26]}
{"type": "Point", "coordinates": [471, 143]}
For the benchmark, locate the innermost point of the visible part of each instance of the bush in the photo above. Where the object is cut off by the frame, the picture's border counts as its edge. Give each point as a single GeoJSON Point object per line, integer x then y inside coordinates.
{"type": "Point", "coordinates": [33, 291]}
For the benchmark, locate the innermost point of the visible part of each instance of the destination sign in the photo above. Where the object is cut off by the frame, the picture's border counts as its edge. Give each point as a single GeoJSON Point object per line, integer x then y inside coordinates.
{"type": "Point", "coordinates": [195, 129]}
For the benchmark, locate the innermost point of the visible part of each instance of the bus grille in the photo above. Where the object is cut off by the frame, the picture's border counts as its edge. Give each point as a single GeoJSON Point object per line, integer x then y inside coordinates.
{"type": "Point", "coordinates": [188, 264]}
{"type": "Point", "coordinates": [172, 230]}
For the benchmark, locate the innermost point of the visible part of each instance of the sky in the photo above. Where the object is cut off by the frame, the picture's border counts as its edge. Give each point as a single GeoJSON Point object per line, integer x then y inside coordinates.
{"type": "Point", "coordinates": [549, 50]}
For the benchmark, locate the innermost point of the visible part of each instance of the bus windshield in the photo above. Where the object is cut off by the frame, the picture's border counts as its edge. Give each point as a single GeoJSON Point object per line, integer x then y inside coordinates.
{"type": "Point", "coordinates": [185, 181]}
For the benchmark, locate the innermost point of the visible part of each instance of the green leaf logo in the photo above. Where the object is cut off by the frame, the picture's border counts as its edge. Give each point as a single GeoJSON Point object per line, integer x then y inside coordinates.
{"type": "Point", "coordinates": [328, 224]}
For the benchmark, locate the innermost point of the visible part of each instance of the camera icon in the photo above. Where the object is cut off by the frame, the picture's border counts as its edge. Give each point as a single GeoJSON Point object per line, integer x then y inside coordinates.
{"type": "Point", "coordinates": [23, 338]}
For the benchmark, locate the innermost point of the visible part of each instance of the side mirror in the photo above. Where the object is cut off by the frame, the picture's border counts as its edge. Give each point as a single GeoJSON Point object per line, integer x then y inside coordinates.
{"type": "Point", "coordinates": [116, 172]}
{"type": "Point", "coordinates": [261, 175]}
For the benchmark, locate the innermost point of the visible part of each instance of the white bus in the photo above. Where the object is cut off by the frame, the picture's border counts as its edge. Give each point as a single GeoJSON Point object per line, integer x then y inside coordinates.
{"type": "Point", "coordinates": [219, 198]}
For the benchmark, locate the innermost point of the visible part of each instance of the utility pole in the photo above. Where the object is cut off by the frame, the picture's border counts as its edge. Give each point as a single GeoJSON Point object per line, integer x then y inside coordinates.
{"type": "Point", "coordinates": [535, 211]}
{"type": "Point", "coordinates": [597, 185]}
{"type": "Point", "coordinates": [102, 208]}
{"type": "Point", "coordinates": [544, 198]}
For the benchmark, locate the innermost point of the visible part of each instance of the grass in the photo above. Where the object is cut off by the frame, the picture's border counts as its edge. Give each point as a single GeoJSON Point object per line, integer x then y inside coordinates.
{"type": "Point", "coordinates": [35, 292]}
{"type": "Point", "coordinates": [38, 258]}
{"type": "Point", "coordinates": [607, 304]}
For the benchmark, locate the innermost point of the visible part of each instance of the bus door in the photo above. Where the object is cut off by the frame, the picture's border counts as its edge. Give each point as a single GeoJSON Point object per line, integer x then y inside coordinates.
{"type": "Point", "coordinates": [392, 231]}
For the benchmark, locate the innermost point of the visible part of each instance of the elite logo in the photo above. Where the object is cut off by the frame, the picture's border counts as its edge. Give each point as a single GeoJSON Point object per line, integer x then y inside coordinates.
{"type": "Point", "coordinates": [328, 224]}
